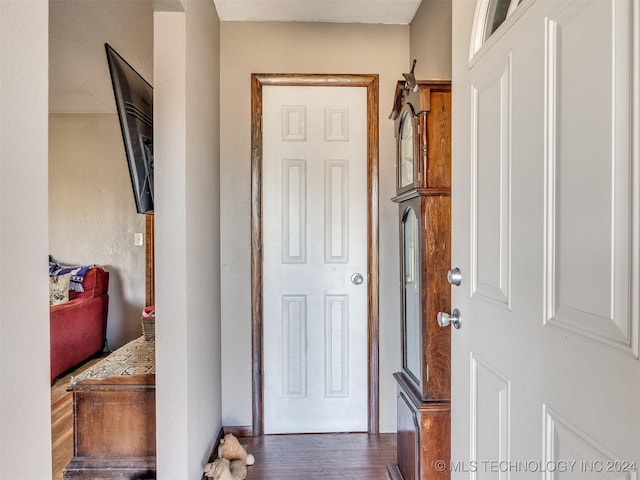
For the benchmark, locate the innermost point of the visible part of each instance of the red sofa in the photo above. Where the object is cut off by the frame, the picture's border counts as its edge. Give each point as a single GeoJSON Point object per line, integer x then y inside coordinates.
{"type": "Point", "coordinates": [79, 326]}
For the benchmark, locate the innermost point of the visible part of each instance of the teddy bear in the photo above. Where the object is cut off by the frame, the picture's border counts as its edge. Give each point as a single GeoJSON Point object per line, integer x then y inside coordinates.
{"type": "Point", "coordinates": [223, 469]}
{"type": "Point", "coordinates": [231, 449]}
{"type": "Point", "coordinates": [232, 462]}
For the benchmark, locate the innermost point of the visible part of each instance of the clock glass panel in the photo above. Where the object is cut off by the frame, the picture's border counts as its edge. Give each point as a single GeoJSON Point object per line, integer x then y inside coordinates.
{"type": "Point", "coordinates": [406, 150]}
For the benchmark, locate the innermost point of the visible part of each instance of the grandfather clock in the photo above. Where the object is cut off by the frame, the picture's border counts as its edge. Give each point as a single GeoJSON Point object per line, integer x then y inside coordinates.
{"type": "Point", "coordinates": [422, 115]}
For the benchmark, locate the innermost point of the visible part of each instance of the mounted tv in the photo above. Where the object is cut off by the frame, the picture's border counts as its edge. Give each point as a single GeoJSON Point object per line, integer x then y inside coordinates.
{"type": "Point", "coordinates": [134, 102]}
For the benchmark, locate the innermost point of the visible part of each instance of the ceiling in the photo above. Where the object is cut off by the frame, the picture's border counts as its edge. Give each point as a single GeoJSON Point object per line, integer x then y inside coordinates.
{"type": "Point", "coordinates": [79, 79]}
{"type": "Point", "coordinates": [340, 11]}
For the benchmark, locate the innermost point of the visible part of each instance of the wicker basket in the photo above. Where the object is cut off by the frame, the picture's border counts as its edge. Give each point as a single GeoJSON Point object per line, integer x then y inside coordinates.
{"type": "Point", "coordinates": [148, 320]}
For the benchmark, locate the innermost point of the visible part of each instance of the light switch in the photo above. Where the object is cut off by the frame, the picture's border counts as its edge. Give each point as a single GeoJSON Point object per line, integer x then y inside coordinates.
{"type": "Point", "coordinates": [139, 239]}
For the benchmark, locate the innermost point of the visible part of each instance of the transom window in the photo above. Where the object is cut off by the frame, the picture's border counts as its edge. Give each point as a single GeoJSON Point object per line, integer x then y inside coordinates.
{"type": "Point", "coordinates": [490, 15]}
{"type": "Point", "coordinates": [497, 13]}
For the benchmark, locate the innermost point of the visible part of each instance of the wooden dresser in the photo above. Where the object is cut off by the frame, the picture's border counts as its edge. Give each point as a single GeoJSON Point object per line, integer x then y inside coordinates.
{"type": "Point", "coordinates": [114, 416]}
{"type": "Point", "coordinates": [422, 114]}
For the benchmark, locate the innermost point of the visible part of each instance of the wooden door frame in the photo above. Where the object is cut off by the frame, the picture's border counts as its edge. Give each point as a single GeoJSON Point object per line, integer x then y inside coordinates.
{"type": "Point", "coordinates": [370, 82]}
{"type": "Point", "coordinates": [149, 250]}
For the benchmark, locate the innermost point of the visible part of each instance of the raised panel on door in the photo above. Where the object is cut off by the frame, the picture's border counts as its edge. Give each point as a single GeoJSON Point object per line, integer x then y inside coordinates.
{"type": "Point", "coordinates": [587, 257]}
{"type": "Point", "coordinates": [491, 183]}
{"type": "Point", "coordinates": [294, 211]}
{"type": "Point", "coordinates": [490, 403]}
{"type": "Point", "coordinates": [573, 454]}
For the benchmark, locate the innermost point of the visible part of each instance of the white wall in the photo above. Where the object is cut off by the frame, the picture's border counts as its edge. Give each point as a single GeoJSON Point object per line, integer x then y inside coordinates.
{"type": "Point", "coordinates": [25, 396]}
{"type": "Point", "coordinates": [187, 155]}
{"type": "Point", "coordinates": [255, 47]}
{"type": "Point", "coordinates": [92, 213]}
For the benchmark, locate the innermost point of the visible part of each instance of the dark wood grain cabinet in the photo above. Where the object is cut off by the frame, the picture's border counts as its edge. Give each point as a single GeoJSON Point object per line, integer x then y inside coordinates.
{"type": "Point", "coordinates": [114, 424]}
{"type": "Point", "coordinates": [114, 416]}
{"type": "Point", "coordinates": [422, 114]}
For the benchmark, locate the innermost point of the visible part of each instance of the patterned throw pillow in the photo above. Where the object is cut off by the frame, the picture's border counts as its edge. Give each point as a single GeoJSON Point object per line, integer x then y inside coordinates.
{"type": "Point", "coordinates": [59, 289]}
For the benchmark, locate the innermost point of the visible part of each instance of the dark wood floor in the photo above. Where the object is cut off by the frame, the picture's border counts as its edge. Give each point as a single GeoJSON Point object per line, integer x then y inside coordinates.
{"type": "Point", "coordinates": [352, 456]}
{"type": "Point", "coordinates": [348, 456]}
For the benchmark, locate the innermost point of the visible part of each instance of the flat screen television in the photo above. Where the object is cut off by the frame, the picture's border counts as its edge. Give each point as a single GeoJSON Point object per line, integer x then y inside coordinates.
{"type": "Point", "coordinates": [134, 102]}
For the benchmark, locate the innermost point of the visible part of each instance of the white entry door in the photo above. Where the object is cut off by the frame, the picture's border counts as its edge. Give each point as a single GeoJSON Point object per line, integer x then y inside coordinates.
{"type": "Point", "coordinates": [546, 146]}
{"type": "Point", "coordinates": [315, 258]}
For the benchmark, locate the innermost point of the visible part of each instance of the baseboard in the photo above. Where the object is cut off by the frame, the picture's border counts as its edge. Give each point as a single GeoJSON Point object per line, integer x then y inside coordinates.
{"type": "Point", "coordinates": [239, 430]}
{"type": "Point", "coordinates": [394, 471]}
{"type": "Point", "coordinates": [89, 468]}
{"type": "Point", "coordinates": [214, 451]}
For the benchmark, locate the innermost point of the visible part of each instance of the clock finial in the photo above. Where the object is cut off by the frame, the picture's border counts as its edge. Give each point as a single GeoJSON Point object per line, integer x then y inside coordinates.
{"type": "Point", "coordinates": [410, 77]}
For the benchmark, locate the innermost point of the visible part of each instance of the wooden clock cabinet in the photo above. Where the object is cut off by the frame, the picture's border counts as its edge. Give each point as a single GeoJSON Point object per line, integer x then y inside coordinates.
{"type": "Point", "coordinates": [422, 115]}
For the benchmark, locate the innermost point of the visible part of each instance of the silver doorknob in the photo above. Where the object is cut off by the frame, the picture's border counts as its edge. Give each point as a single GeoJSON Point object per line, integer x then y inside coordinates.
{"type": "Point", "coordinates": [454, 276]}
{"type": "Point", "coordinates": [357, 279]}
{"type": "Point", "coordinates": [455, 319]}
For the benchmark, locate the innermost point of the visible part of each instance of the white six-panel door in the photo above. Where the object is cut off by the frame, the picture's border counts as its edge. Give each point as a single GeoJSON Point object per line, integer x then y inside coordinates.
{"type": "Point", "coordinates": [546, 147]}
{"type": "Point", "coordinates": [315, 258]}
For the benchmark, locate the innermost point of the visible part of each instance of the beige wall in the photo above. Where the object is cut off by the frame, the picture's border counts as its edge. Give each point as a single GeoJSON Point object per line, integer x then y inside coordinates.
{"type": "Point", "coordinates": [187, 141]}
{"type": "Point", "coordinates": [25, 394]}
{"type": "Point", "coordinates": [299, 48]}
{"type": "Point", "coordinates": [92, 214]}
{"type": "Point", "coordinates": [431, 40]}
